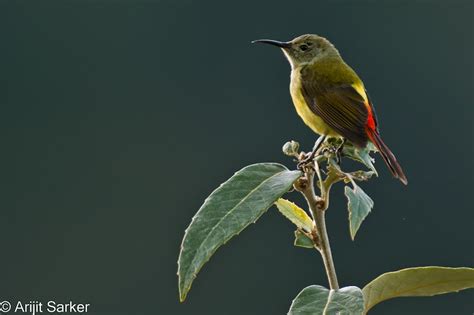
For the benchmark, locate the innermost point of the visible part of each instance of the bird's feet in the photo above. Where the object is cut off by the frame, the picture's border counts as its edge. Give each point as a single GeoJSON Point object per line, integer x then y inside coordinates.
{"type": "Point", "coordinates": [305, 160]}
{"type": "Point", "coordinates": [338, 152]}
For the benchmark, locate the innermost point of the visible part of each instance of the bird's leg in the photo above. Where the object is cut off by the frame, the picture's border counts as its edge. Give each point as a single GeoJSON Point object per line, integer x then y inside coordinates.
{"type": "Point", "coordinates": [339, 152]}
{"type": "Point", "coordinates": [309, 157]}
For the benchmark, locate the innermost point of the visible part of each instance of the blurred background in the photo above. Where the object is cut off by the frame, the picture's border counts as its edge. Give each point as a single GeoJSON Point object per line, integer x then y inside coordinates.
{"type": "Point", "coordinates": [118, 118]}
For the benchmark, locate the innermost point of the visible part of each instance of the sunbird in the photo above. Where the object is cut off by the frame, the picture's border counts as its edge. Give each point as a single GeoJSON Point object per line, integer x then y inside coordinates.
{"type": "Point", "coordinates": [330, 97]}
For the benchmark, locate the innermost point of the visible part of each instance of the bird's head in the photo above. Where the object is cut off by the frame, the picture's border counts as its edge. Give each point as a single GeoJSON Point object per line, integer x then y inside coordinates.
{"type": "Point", "coordinates": [303, 49]}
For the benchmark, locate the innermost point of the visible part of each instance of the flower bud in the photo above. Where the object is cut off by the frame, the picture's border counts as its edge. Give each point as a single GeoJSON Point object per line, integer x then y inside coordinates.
{"type": "Point", "coordinates": [291, 148]}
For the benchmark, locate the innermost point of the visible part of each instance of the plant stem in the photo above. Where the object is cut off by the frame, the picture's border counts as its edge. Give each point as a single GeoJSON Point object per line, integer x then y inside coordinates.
{"type": "Point", "coordinates": [318, 208]}
{"type": "Point", "coordinates": [325, 249]}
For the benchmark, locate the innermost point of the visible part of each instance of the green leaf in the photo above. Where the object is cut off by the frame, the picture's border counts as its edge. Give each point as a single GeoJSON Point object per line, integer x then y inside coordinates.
{"type": "Point", "coordinates": [295, 214]}
{"type": "Point", "coordinates": [361, 155]}
{"type": "Point", "coordinates": [302, 240]}
{"type": "Point", "coordinates": [227, 211]}
{"type": "Point", "coordinates": [317, 300]}
{"type": "Point", "coordinates": [359, 205]}
{"type": "Point", "coordinates": [420, 281]}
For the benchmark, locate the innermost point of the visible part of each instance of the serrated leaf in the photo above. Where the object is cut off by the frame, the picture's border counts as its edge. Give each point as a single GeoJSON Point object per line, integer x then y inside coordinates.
{"type": "Point", "coordinates": [295, 214]}
{"type": "Point", "coordinates": [361, 155]}
{"type": "Point", "coordinates": [317, 300]}
{"type": "Point", "coordinates": [419, 281]}
{"type": "Point", "coordinates": [238, 202]}
{"type": "Point", "coordinates": [302, 240]}
{"type": "Point", "coordinates": [359, 205]}
{"type": "Point", "coordinates": [334, 172]}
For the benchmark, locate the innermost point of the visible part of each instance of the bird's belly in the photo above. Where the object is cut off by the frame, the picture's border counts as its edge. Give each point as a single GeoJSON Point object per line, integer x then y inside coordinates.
{"type": "Point", "coordinates": [310, 119]}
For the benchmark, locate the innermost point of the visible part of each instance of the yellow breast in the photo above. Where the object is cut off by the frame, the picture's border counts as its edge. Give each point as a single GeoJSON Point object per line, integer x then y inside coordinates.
{"type": "Point", "coordinates": [310, 119]}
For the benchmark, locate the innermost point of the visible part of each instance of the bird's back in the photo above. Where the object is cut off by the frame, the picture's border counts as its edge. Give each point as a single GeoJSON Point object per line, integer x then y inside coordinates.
{"type": "Point", "coordinates": [330, 72]}
{"type": "Point", "coordinates": [313, 80]}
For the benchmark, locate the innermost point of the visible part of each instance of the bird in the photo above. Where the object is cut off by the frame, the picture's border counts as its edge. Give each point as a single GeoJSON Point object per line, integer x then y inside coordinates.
{"type": "Point", "coordinates": [331, 98]}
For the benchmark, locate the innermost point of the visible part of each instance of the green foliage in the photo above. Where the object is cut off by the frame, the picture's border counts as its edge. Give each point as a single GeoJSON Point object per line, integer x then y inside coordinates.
{"type": "Point", "coordinates": [300, 218]}
{"type": "Point", "coordinates": [421, 281]}
{"type": "Point", "coordinates": [227, 211]}
{"type": "Point", "coordinates": [295, 214]}
{"type": "Point", "coordinates": [316, 299]}
{"type": "Point", "coordinates": [303, 240]}
{"type": "Point", "coordinates": [251, 191]}
{"type": "Point", "coordinates": [361, 155]}
{"type": "Point", "coordinates": [359, 206]}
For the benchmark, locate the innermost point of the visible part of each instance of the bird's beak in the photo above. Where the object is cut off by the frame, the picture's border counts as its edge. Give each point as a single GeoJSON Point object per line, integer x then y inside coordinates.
{"type": "Point", "coordinates": [273, 42]}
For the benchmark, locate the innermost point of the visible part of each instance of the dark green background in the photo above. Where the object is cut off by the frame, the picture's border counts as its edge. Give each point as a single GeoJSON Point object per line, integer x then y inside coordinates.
{"type": "Point", "coordinates": [119, 117]}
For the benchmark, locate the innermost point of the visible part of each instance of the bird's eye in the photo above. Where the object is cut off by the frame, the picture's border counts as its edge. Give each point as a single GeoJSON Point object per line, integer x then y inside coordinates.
{"type": "Point", "coordinates": [304, 47]}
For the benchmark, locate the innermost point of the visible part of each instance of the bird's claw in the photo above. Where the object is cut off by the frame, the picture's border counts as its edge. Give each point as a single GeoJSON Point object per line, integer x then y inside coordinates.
{"type": "Point", "coordinates": [305, 160]}
{"type": "Point", "coordinates": [339, 153]}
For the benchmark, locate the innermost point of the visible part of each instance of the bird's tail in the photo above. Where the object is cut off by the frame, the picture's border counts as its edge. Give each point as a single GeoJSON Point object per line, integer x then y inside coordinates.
{"type": "Point", "coordinates": [387, 156]}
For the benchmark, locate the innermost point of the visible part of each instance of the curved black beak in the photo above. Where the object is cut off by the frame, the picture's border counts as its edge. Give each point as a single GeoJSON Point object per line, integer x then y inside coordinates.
{"type": "Point", "coordinates": [273, 42]}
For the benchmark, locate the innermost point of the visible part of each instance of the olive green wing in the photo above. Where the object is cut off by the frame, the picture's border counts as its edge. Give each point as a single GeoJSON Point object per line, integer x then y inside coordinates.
{"type": "Point", "coordinates": [340, 106]}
